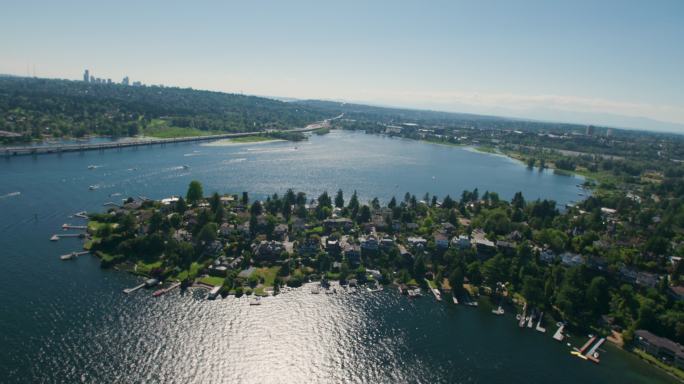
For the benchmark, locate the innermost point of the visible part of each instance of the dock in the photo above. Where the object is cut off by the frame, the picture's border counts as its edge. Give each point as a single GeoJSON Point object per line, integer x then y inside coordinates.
{"type": "Point", "coordinates": [57, 237]}
{"type": "Point", "coordinates": [587, 344]}
{"type": "Point", "coordinates": [437, 294]}
{"type": "Point", "coordinates": [162, 291]}
{"type": "Point", "coordinates": [559, 336]}
{"type": "Point", "coordinates": [73, 255]}
{"type": "Point", "coordinates": [454, 299]}
{"type": "Point", "coordinates": [539, 328]}
{"type": "Point", "coordinates": [69, 226]}
{"type": "Point", "coordinates": [213, 294]}
{"type": "Point", "coordinates": [592, 351]}
{"type": "Point", "coordinates": [131, 290]}
{"type": "Point", "coordinates": [81, 215]}
{"type": "Point", "coordinates": [521, 322]}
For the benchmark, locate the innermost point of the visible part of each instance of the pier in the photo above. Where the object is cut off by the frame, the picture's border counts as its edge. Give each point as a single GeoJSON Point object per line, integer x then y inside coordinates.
{"type": "Point", "coordinates": [69, 226]}
{"type": "Point", "coordinates": [539, 328]}
{"type": "Point", "coordinates": [131, 290]}
{"type": "Point", "coordinates": [162, 291]}
{"type": "Point", "coordinates": [592, 351]}
{"type": "Point", "coordinates": [57, 237]}
{"type": "Point", "coordinates": [73, 255]}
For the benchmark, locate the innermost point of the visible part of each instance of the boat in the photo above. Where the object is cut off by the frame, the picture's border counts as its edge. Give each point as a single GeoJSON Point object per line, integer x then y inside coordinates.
{"type": "Point", "coordinates": [437, 294]}
{"type": "Point", "coordinates": [255, 301]}
{"type": "Point", "coordinates": [93, 187]}
{"type": "Point", "coordinates": [499, 311]}
{"type": "Point", "coordinates": [186, 167]}
{"type": "Point", "coordinates": [68, 256]}
{"type": "Point", "coordinates": [92, 166]}
{"type": "Point", "coordinates": [454, 299]}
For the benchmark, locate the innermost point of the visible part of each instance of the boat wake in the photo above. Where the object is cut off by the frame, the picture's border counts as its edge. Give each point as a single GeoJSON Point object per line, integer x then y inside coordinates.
{"type": "Point", "coordinates": [11, 194]}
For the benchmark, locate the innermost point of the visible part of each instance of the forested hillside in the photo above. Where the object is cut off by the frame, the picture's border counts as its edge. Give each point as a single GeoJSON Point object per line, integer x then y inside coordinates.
{"type": "Point", "coordinates": [35, 108]}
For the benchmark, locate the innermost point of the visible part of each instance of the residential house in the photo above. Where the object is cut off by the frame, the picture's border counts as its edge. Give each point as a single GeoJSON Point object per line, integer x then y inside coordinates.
{"type": "Point", "coordinates": [441, 240]}
{"type": "Point", "coordinates": [280, 232]}
{"type": "Point", "coordinates": [461, 242]}
{"type": "Point", "coordinates": [663, 348]}
{"type": "Point", "coordinates": [570, 259]}
{"type": "Point", "coordinates": [647, 279]}
{"type": "Point", "coordinates": [267, 250]}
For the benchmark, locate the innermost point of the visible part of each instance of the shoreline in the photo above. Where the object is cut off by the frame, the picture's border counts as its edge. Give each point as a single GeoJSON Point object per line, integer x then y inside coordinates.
{"type": "Point", "coordinates": [232, 143]}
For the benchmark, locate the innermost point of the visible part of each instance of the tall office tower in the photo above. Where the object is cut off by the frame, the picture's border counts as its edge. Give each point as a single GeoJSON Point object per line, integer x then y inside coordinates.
{"type": "Point", "coordinates": [125, 81]}
{"type": "Point", "coordinates": [86, 76]}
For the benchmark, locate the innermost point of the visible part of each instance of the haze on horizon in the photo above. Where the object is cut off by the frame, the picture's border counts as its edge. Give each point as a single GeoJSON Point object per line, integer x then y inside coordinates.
{"type": "Point", "coordinates": [615, 63]}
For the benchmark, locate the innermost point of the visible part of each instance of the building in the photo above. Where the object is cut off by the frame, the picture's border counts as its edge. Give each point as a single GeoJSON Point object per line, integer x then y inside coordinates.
{"type": "Point", "coordinates": [660, 347]}
{"type": "Point", "coordinates": [441, 240]}
{"type": "Point", "coordinates": [570, 259]}
{"type": "Point", "coordinates": [461, 242]}
{"type": "Point", "coordinates": [267, 250]}
{"type": "Point", "coordinates": [86, 76]}
{"type": "Point", "coordinates": [125, 81]}
{"type": "Point", "coordinates": [590, 130]}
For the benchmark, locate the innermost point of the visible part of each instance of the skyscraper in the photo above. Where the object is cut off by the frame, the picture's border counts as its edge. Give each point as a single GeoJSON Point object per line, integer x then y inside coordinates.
{"type": "Point", "coordinates": [86, 76]}
{"type": "Point", "coordinates": [590, 130]}
{"type": "Point", "coordinates": [125, 81]}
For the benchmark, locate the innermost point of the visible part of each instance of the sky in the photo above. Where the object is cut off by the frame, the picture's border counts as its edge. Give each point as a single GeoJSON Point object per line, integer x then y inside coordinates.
{"type": "Point", "coordinates": [605, 62]}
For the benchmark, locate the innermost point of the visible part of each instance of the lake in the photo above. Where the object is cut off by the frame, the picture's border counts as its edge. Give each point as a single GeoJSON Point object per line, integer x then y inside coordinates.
{"type": "Point", "coordinates": [69, 321]}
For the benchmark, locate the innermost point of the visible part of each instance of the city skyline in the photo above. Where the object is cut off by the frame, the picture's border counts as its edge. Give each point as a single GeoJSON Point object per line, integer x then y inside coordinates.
{"type": "Point", "coordinates": [613, 63]}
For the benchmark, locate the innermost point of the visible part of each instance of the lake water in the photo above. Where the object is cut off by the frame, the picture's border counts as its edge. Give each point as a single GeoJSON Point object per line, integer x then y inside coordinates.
{"type": "Point", "coordinates": [69, 322]}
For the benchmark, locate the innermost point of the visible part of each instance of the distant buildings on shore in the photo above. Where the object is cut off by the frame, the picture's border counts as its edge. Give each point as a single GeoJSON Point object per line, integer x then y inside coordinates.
{"type": "Point", "coordinates": [89, 78]}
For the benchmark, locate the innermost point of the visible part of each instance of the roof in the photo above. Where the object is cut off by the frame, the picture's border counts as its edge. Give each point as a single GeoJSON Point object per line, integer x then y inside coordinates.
{"type": "Point", "coordinates": [660, 342]}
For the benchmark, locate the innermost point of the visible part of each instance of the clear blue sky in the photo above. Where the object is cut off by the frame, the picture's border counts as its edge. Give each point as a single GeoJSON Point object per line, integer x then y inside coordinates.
{"type": "Point", "coordinates": [566, 60]}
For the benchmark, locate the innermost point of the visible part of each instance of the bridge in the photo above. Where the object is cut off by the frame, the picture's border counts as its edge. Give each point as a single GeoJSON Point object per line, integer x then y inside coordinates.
{"type": "Point", "coordinates": [63, 148]}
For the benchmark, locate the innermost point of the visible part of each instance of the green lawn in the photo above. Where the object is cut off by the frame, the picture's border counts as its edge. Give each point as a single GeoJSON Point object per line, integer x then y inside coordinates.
{"type": "Point", "coordinates": [268, 274]}
{"type": "Point", "coordinates": [211, 280]}
{"type": "Point", "coordinates": [145, 268]}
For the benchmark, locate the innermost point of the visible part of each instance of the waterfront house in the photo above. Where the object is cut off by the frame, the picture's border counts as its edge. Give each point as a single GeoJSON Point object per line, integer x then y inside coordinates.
{"type": "Point", "coordinates": [628, 275]}
{"type": "Point", "coordinates": [570, 259]}
{"type": "Point", "coordinates": [485, 247]}
{"type": "Point", "coordinates": [677, 292]}
{"type": "Point", "coordinates": [332, 246]}
{"type": "Point", "coordinates": [448, 228]}
{"type": "Point", "coordinates": [547, 256]}
{"type": "Point", "coordinates": [647, 279]}
{"type": "Point", "coordinates": [461, 242]}
{"type": "Point", "coordinates": [369, 244]}
{"type": "Point", "coordinates": [340, 224]}
{"type": "Point", "coordinates": [441, 240]}
{"type": "Point", "coordinates": [267, 250]}
{"type": "Point", "coordinates": [218, 270]}
{"type": "Point", "coordinates": [310, 247]}
{"type": "Point", "coordinates": [386, 243]}
{"type": "Point", "coordinates": [662, 348]}
{"type": "Point", "coordinates": [417, 242]}
{"type": "Point", "coordinates": [280, 232]}
{"type": "Point", "coordinates": [353, 254]}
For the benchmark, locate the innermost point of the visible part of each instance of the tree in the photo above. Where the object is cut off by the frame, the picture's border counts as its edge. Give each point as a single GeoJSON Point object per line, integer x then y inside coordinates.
{"type": "Point", "coordinates": [364, 214]}
{"type": "Point", "coordinates": [256, 208]}
{"type": "Point", "coordinates": [456, 281]}
{"type": "Point", "coordinates": [215, 202]}
{"type": "Point", "coordinates": [195, 192]}
{"type": "Point", "coordinates": [393, 203]}
{"type": "Point", "coordinates": [181, 206]}
{"type": "Point", "coordinates": [339, 199]}
{"type": "Point", "coordinates": [324, 200]}
{"type": "Point", "coordinates": [208, 233]}
{"type": "Point", "coordinates": [598, 296]}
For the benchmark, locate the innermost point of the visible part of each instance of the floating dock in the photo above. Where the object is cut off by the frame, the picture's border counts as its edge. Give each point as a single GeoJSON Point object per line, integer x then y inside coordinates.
{"type": "Point", "coordinates": [592, 351]}
{"type": "Point", "coordinates": [539, 328]}
{"type": "Point", "coordinates": [559, 333]}
{"type": "Point", "coordinates": [587, 344]}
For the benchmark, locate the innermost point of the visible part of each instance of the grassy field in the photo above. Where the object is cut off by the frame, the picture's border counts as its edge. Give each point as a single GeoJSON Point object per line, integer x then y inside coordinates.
{"type": "Point", "coordinates": [211, 280]}
{"type": "Point", "coordinates": [268, 275]}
